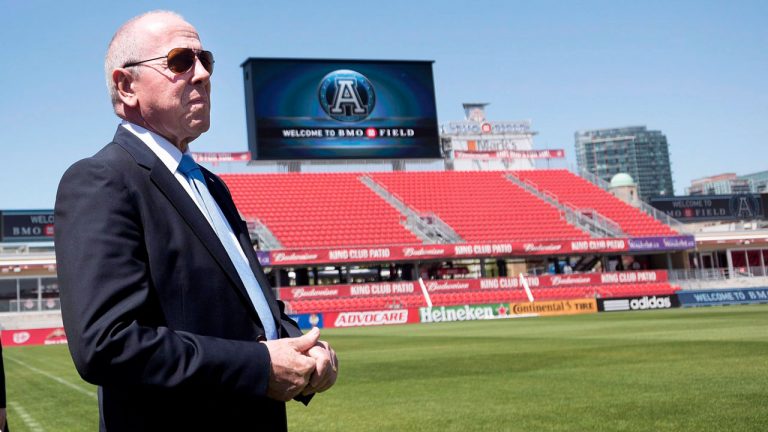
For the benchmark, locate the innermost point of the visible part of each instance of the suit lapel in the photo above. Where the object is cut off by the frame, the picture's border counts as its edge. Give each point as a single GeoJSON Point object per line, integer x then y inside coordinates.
{"type": "Point", "coordinates": [223, 198]}
{"type": "Point", "coordinates": [187, 209]}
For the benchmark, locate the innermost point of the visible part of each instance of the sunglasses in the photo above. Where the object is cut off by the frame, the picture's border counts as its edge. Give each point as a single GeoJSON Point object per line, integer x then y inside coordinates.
{"type": "Point", "coordinates": [180, 60]}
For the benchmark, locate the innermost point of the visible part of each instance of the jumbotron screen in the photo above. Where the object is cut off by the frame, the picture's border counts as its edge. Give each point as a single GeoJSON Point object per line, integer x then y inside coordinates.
{"type": "Point", "coordinates": [304, 109]}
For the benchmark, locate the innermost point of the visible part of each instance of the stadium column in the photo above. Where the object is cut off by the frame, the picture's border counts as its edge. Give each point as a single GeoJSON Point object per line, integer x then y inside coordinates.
{"type": "Point", "coordinates": [409, 272]}
{"type": "Point", "coordinates": [729, 259]}
{"type": "Point", "coordinates": [502, 265]}
{"type": "Point", "coordinates": [483, 272]}
{"type": "Point", "coordinates": [302, 276]}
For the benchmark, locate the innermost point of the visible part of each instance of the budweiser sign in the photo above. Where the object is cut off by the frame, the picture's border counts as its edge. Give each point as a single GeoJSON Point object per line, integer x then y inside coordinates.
{"type": "Point", "coordinates": [447, 285]}
{"type": "Point", "coordinates": [570, 280]}
{"type": "Point", "coordinates": [371, 318]}
{"type": "Point", "coordinates": [314, 292]}
{"type": "Point", "coordinates": [533, 247]}
{"type": "Point", "coordinates": [417, 252]}
{"type": "Point", "coordinates": [290, 256]}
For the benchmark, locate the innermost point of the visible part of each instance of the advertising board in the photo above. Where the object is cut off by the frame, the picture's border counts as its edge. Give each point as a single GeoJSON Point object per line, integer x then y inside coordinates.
{"type": "Point", "coordinates": [40, 336]}
{"type": "Point", "coordinates": [307, 321]}
{"type": "Point", "coordinates": [637, 303]}
{"type": "Point", "coordinates": [694, 208]}
{"type": "Point", "coordinates": [553, 308]}
{"type": "Point", "coordinates": [305, 109]}
{"type": "Point", "coordinates": [463, 312]}
{"type": "Point", "coordinates": [26, 225]}
{"type": "Point", "coordinates": [723, 297]}
{"type": "Point", "coordinates": [453, 285]}
{"type": "Point", "coordinates": [370, 318]}
{"type": "Point", "coordinates": [288, 257]}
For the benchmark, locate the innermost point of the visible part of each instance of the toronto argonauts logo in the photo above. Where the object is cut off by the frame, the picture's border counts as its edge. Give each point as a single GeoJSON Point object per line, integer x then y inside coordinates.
{"type": "Point", "coordinates": [346, 95]}
{"type": "Point", "coordinates": [744, 206]}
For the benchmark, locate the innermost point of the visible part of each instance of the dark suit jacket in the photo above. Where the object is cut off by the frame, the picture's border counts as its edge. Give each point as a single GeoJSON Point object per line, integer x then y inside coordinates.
{"type": "Point", "coordinates": [154, 310]}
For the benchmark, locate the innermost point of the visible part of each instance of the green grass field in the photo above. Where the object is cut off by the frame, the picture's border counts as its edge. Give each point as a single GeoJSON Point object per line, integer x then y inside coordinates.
{"type": "Point", "coordinates": [700, 369]}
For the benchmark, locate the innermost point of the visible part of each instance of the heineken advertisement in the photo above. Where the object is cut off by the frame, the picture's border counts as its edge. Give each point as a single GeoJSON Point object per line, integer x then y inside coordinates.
{"type": "Point", "coordinates": [463, 313]}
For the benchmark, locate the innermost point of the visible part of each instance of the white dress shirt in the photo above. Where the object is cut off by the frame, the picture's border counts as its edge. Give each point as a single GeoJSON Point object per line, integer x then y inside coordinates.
{"type": "Point", "coordinates": [170, 156]}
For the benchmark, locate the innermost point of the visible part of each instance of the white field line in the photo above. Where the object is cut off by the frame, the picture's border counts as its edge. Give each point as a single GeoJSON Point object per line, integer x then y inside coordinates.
{"type": "Point", "coordinates": [53, 377]}
{"type": "Point", "coordinates": [27, 419]}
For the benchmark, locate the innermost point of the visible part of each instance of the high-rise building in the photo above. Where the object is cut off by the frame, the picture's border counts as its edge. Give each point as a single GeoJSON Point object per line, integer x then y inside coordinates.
{"type": "Point", "coordinates": [758, 181]}
{"type": "Point", "coordinates": [721, 184]}
{"type": "Point", "coordinates": [641, 153]}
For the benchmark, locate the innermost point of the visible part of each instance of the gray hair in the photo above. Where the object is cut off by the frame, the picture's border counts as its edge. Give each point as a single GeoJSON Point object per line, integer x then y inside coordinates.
{"type": "Point", "coordinates": [126, 47]}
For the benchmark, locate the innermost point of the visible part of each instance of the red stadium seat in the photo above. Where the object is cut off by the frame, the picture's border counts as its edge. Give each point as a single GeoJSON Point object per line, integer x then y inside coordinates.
{"type": "Point", "coordinates": [581, 194]}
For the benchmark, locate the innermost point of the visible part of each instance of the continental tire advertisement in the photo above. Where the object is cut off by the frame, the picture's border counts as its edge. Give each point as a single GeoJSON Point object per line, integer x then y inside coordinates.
{"type": "Point", "coordinates": [553, 308]}
{"type": "Point", "coordinates": [638, 303]}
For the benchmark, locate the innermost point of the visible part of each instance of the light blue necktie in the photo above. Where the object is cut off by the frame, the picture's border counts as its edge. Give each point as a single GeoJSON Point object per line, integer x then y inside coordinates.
{"type": "Point", "coordinates": [191, 170]}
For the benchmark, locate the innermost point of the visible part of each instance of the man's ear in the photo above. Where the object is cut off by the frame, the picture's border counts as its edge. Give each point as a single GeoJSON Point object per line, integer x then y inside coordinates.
{"type": "Point", "coordinates": [124, 83]}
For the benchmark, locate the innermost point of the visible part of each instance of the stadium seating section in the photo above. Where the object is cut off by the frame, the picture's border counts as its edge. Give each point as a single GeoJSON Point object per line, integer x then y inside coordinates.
{"type": "Point", "coordinates": [579, 193]}
{"type": "Point", "coordinates": [480, 206]}
{"type": "Point", "coordinates": [318, 210]}
{"type": "Point", "coordinates": [330, 210]}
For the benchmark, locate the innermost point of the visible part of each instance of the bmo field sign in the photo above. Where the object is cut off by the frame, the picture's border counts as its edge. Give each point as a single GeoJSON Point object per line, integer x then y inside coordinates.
{"type": "Point", "coordinates": [309, 109]}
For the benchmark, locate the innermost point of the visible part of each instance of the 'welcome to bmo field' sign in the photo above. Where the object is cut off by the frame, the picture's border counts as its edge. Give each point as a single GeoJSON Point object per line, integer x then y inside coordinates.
{"type": "Point", "coordinates": [26, 225]}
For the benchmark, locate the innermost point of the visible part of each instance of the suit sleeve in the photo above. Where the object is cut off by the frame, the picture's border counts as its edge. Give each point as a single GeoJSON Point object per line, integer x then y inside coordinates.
{"type": "Point", "coordinates": [104, 279]}
{"type": "Point", "coordinates": [290, 326]}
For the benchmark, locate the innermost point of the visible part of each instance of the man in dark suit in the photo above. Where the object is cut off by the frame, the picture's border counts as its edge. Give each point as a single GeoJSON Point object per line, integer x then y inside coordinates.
{"type": "Point", "coordinates": [164, 303]}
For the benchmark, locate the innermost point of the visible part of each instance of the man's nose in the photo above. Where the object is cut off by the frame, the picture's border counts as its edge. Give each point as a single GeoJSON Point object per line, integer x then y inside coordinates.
{"type": "Point", "coordinates": [200, 73]}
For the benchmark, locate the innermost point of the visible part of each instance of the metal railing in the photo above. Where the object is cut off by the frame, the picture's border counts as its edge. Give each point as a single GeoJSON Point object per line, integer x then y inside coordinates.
{"type": "Point", "coordinates": [714, 274]}
{"type": "Point", "coordinates": [718, 278]}
{"type": "Point", "coordinates": [26, 249]}
{"type": "Point", "coordinates": [33, 305]}
{"type": "Point", "coordinates": [641, 205]}
{"type": "Point", "coordinates": [264, 235]}
{"type": "Point", "coordinates": [588, 220]}
{"type": "Point", "coordinates": [425, 225]}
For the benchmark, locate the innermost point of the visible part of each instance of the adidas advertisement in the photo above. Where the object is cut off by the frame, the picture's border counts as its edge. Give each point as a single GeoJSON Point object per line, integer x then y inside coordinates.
{"type": "Point", "coordinates": [638, 303]}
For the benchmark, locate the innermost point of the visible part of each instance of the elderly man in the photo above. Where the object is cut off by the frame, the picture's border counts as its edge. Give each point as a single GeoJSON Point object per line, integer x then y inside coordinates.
{"type": "Point", "coordinates": [164, 303]}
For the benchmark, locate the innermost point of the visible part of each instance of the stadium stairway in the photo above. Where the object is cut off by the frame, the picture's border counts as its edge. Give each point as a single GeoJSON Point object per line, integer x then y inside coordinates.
{"type": "Point", "coordinates": [480, 206]}
{"type": "Point", "coordinates": [318, 210]}
{"type": "Point", "coordinates": [573, 190]}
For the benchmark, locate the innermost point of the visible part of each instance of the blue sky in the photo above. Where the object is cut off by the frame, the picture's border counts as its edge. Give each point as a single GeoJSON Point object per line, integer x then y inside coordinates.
{"type": "Point", "coordinates": [696, 70]}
